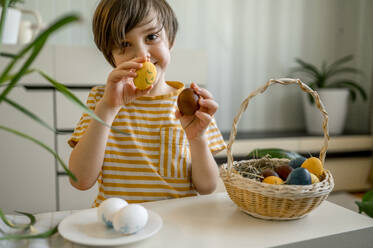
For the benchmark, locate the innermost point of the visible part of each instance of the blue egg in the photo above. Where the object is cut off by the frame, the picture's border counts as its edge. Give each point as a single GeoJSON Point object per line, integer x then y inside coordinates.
{"type": "Point", "coordinates": [297, 162]}
{"type": "Point", "coordinates": [299, 176]}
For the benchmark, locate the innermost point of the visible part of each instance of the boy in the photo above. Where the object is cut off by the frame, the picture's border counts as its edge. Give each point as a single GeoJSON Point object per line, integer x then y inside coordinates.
{"type": "Point", "coordinates": [166, 155]}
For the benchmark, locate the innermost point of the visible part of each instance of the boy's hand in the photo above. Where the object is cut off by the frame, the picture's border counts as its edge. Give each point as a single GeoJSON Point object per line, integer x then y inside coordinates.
{"type": "Point", "coordinates": [120, 89]}
{"type": "Point", "coordinates": [196, 125]}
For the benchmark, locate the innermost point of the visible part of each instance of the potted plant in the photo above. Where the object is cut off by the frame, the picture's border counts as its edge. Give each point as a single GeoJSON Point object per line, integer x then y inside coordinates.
{"type": "Point", "coordinates": [18, 66]}
{"type": "Point", "coordinates": [334, 88]}
{"type": "Point", "coordinates": [366, 204]}
{"type": "Point", "coordinates": [12, 22]}
{"type": "Point", "coordinates": [17, 30]}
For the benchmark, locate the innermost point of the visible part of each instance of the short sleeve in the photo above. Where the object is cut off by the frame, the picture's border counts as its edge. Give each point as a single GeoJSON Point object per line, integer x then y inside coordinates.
{"type": "Point", "coordinates": [214, 137]}
{"type": "Point", "coordinates": [94, 96]}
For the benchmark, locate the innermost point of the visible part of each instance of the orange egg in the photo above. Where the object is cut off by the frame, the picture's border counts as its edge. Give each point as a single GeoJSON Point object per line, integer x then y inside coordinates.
{"type": "Point", "coordinates": [273, 180]}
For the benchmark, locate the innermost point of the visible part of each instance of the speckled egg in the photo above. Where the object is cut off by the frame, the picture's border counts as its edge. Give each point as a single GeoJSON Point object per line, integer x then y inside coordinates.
{"type": "Point", "coordinates": [145, 76]}
{"type": "Point", "coordinates": [107, 209]}
{"type": "Point", "coordinates": [130, 219]}
{"type": "Point", "coordinates": [297, 162]}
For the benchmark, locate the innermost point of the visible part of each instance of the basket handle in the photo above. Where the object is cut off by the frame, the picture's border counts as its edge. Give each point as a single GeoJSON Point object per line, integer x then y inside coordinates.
{"type": "Point", "coordinates": [283, 81]}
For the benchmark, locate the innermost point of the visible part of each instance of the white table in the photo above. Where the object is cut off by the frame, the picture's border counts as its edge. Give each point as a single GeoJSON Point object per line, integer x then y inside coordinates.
{"type": "Point", "coordinates": [215, 221]}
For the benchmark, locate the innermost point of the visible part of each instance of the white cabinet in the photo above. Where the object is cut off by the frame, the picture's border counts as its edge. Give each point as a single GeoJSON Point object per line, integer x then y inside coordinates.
{"type": "Point", "coordinates": [73, 199]}
{"type": "Point", "coordinates": [28, 175]}
{"type": "Point", "coordinates": [27, 181]}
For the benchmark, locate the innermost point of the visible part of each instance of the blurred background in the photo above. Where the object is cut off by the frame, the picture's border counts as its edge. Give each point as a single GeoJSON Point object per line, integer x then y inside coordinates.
{"type": "Point", "coordinates": [250, 41]}
{"type": "Point", "coordinates": [231, 47]}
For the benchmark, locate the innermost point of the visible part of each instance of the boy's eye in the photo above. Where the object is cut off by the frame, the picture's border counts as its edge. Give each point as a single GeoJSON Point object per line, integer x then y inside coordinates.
{"type": "Point", "coordinates": [152, 37]}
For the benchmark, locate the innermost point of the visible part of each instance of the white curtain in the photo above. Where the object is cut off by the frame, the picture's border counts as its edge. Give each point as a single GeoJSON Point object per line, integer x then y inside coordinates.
{"type": "Point", "coordinates": [251, 41]}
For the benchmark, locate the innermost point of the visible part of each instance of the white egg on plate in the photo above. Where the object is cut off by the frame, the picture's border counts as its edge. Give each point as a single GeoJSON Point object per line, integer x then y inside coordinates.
{"type": "Point", "coordinates": [107, 209]}
{"type": "Point", "coordinates": [130, 219]}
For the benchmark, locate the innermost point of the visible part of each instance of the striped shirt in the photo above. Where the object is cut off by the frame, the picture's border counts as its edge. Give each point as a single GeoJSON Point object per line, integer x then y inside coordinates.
{"type": "Point", "coordinates": [153, 162]}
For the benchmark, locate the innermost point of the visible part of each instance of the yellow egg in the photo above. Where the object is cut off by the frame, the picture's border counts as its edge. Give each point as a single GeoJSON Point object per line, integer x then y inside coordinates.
{"type": "Point", "coordinates": [145, 76]}
{"type": "Point", "coordinates": [314, 178]}
{"type": "Point", "coordinates": [314, 166]}
{"type": "Point", "coordinates": [273, 180]}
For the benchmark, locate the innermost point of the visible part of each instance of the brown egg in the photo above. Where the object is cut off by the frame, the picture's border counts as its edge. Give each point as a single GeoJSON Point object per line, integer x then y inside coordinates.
{"type": "Point", "coordinates": [283, 171]}
{"type": "Point", "coordinates": [188, 102]}
{"type": "Point", "coordinates": [268, 173]}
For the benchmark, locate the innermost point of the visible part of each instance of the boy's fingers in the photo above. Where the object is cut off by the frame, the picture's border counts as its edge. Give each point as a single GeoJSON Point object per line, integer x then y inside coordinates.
{"type": "Point", "coordinates": [201, 91]}
{"type": "Point", "coordinates": [129, 65]}
{"type": "Point", "coordinates": [177, 114]}
{"type": "Point", "coordinates": [205, 118]}
{"type": "Point", "coordinates": [210, 105]}
{"type": "Point", "coordinates": [135, 63]}
{"type": "Point", "coordinates": [117, 76]}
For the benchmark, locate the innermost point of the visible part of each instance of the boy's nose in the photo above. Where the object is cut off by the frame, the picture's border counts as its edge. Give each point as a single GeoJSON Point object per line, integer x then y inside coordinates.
{"type": "Point", "coordinates": [143, 52]}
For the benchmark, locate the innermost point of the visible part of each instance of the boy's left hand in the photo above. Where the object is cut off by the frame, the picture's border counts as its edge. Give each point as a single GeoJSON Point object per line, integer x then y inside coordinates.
{"type": "Point", "coordinates": [195, 125]}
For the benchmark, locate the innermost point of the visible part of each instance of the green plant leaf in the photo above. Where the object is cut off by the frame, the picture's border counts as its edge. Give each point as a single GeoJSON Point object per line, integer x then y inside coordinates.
{"type": "Point", "coordinates": [41, 37]}
{"type": "Point", "coordinates": [7, 55]}
{"type": "Point", "coordinates": [324, 69]}
{"type": "Point", "coordinates": [31, 218]}
{"type": "Point", "coordinates": [273, 152]}
{"type": "Point", "coordinates": [46, 234]}
{"type": "Point", "coordinates": [350, 84]}
{"type": "Point", "coordinates": [21, 226]}
{"type": "Point", "coordinates": [62, 88]}
{"type": "Point", "coordinates": [303, 70]}
{"type": "Point", "coordinates": [338, 63]}
{"type": "Point", "coordinates": [29, 114]}
{"type": "Point", "coordinates": [25, 136]}
{"type": "Point", "coordinates": [346, 70]}
{"type": "Point", "coordinates": [37, 48]}
{"type": "Point", "coordinates": [308, 68]}
{"type": "Point", "coordinates": [11, 76]}
{"type": "Point", "coordinates": [366, 207]}
{"type": "Point", "coordinates": [4, 11]}
{"type": "Point", "coordinates": [5, 220]}
{"type": "Point", "coordinates": [368, 196]}
{"type": "Point", "coordinates": [352, 95]}
{"type": "Point", "coordinates": [366, 204]}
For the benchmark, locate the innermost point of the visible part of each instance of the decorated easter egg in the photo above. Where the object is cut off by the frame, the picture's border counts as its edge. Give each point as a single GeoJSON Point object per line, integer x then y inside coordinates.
{"type": "Point", "coordinates": [187, 102]}
{"type": "Point", "coordinates": [269, 172]}
{"type": "Point", "coordinates": [283, 171]}
{"type": "Point", "coordinates": [146, 76]}
{"type": "Point", "coordinates": [314, 165]}
{"type": "Point", "coordinates": [130, 219]}
{"type": "Point", "coordinates": [273, 180]}
{"type": "Point", "coordinates": [299, 176]}
{"type": "Point", "coordinates": [107, 209]}
{"type": "Point", "coordinates": [297, 162]}
{"type": "Point", "coordinates": [314, 178]}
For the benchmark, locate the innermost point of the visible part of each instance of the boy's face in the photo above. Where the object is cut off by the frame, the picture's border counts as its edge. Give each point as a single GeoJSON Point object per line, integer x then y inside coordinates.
{"type": "Point", "coordinates": [148, 39]}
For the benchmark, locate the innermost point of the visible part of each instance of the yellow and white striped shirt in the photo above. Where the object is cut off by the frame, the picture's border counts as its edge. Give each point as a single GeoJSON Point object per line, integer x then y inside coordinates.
{"type": "Point", "coordinates": [153, 162]}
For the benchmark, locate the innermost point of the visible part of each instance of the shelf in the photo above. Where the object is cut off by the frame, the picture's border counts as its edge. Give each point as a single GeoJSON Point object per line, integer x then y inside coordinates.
{"type": "Point", "coordinates": [299, 142]}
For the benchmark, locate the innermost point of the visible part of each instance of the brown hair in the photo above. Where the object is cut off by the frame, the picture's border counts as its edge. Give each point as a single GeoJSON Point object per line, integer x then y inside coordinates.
{"type": "Point", "coordinates": [114, 18]}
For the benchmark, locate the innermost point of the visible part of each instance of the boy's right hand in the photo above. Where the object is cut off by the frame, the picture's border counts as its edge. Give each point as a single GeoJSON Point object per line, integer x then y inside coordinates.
{"type": "Point", "coordinates": [120, 89]}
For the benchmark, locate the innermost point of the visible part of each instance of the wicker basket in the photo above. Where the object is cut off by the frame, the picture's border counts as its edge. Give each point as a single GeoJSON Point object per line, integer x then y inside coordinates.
{"type": "Point", "coordinates": [268, 201]}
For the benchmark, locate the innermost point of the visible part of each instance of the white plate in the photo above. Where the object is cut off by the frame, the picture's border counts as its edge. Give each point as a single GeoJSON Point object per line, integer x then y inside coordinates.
{"type": "Point", "coordinates": [84, 228]}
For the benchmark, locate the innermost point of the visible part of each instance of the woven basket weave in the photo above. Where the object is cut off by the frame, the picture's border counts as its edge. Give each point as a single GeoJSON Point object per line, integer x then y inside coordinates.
{"type": "Point", "coordinates": [269, 201]}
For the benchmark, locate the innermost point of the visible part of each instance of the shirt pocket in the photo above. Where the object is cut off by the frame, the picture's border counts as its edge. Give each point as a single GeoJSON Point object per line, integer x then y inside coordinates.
{"type": "Point", "coordinates": [175, 159]}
